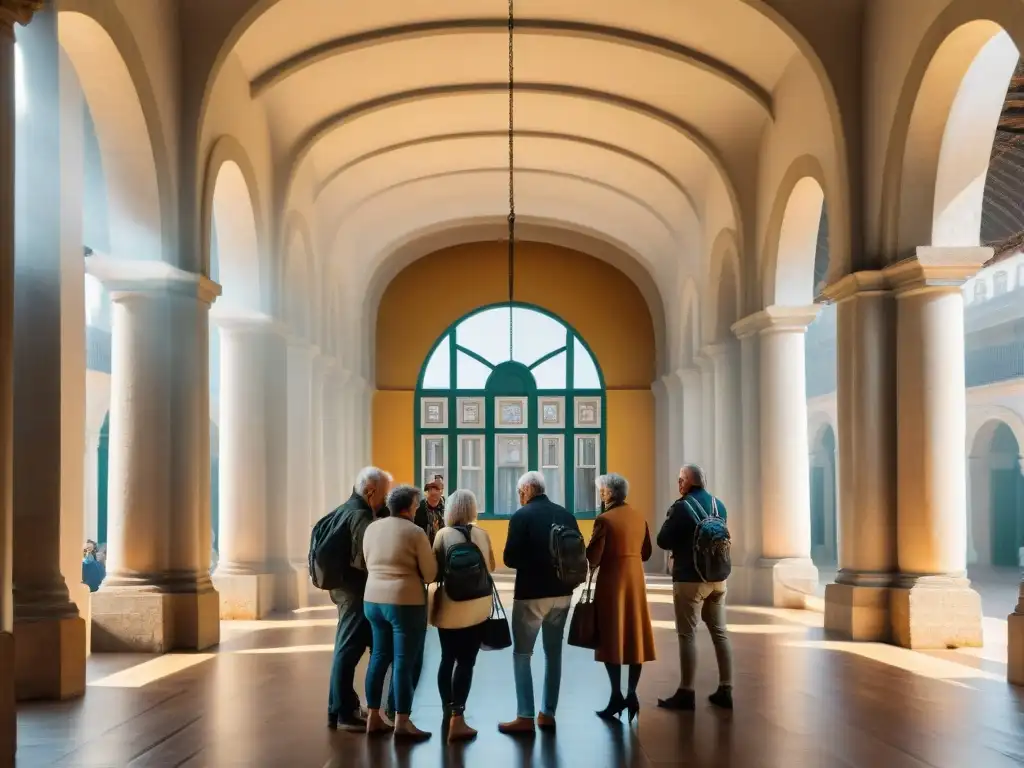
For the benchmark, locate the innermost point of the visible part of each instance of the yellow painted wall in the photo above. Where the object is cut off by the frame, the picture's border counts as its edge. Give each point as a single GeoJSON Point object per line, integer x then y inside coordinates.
{"type": "Point", "coordinates": [597, 300]}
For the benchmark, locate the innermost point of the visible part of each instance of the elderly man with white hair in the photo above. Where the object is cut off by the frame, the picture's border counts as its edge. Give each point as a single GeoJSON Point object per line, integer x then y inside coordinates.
{"type": "Point", "coordinates": [541, 603]}
{"type": "Point", "coordinates": [353, 635]}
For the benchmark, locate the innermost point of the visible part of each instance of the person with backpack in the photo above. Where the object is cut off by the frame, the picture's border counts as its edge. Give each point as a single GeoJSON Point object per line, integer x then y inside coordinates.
{"type": "Point", "coordinates": [696, 534]}
{"type": "Point", "coordinates": [459, 606]}
{"type": "Point", "coordinates": [618, 549]}
{"type": "Point", "coordinates": [336, 563]}
{"type": "Point", "coordinates": [543, 537]}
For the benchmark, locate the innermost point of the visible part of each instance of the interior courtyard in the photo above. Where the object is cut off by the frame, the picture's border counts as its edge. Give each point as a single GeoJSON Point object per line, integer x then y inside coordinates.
{"type": "Point", "coordinates": [249, 247]}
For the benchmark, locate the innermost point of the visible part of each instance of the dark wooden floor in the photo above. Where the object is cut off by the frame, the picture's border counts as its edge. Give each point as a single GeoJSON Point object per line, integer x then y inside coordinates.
{"type": "Point", "coordinates": [801, 702]}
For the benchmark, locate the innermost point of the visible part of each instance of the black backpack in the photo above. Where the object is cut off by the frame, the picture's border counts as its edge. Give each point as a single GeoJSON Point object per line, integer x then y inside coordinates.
{"type": "Point", "coordinates": [568, 555]}
{"type": "Point", "coordinates": [465, 575]}
{"type": "Point", "coordinates": [712, 545]}
{"type": "Point", "coordinates": [330, 551]}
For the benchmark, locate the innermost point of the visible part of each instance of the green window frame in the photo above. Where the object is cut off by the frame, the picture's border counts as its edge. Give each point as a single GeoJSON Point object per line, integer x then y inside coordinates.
{"type": "Point", "coordinates": [510, 407]}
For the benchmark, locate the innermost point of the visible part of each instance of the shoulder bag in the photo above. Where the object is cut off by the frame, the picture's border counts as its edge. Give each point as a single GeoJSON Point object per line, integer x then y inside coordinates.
{"type": "Point", "coordinates": [583, 625]}
{"type": "Point", "coordinates": [496, 635]}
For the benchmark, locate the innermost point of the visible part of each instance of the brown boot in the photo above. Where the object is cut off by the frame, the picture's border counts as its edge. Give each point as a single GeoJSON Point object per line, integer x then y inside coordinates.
{"type": "Point", "coordinates": [458, 730]}
{"type": "Point", "coordinates": [546, 722]}
{"type": "Point", "coordinates": [521, 726]}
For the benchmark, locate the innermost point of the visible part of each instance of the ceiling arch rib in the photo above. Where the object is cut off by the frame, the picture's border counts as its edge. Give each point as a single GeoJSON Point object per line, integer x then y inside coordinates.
{"type": "Point", "coordinates": [640, 183]}
{"type": "Point", "coordinates": [354, 112]}
{"type": "Point", "coordinates": [362, 241]}
{"type": "Point", "coordinates": [280, 72]}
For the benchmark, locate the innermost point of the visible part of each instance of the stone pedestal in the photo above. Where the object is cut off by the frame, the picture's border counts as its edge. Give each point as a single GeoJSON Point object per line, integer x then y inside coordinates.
{"type": "Point", "coordinates": [157, 595]}
{"type": "Point", "coordinates": [50, 658]}
{"type": "Point", "coordinates": [248, 596]}
{"type": "Point", "coordinates": [783, 582]}
{"type": "Point", "coordinates": [1015, 643]}
{"type": "Point", "coordinates": [130, 620]}
{"type": "Point", "coordinates": [932, 603]}
{"type": "Point", "coordinates": [857, 605]}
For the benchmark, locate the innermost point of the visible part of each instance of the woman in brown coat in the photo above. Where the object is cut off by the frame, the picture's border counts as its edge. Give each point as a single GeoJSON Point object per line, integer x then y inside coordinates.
{"type": "Point", "coordinates": [621, 544]}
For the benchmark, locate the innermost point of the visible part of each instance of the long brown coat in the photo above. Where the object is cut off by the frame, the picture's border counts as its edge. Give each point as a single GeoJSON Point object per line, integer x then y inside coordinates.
{"type": "Point", "coordinates": [621, 544]}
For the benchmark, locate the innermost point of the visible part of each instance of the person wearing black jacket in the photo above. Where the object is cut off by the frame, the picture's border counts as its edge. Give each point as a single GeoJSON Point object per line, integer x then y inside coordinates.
{"type": "Point", "coordinates": [541, 604]}
{"type": "Point", "coordinates": [430, 513]}
{"type": "Point", "coordinates": [353, 635]}
{"type": "Point", "coordinates": [693, 598]}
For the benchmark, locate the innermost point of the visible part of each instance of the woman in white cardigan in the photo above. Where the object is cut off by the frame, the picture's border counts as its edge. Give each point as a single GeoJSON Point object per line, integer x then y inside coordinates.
{"type": "Point", "coordinates": [459, 623]}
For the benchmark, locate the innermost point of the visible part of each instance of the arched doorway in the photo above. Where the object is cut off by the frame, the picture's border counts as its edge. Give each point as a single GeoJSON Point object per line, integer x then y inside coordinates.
{"type": "Point", "coordinates": [824, 534]}
{"type": "Point", "coordinates": [505, 391]}
{"type": "Point", "coordinates": [1006, 498]}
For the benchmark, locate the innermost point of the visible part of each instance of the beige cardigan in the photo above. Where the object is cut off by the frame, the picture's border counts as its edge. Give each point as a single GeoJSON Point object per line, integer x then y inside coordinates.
{"type": "Point", "coordinates": [445, 613]}
{"type": "Point", "coordinates": [399, 562]}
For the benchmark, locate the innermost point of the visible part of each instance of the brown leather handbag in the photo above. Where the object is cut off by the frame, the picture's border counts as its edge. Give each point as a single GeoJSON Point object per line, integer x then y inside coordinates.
{"type": "Point", "coordinates": [583, 625]}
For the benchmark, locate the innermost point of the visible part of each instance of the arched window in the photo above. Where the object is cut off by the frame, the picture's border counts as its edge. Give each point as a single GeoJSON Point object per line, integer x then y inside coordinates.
{"type": "Point", "coordinates": [507, 390]}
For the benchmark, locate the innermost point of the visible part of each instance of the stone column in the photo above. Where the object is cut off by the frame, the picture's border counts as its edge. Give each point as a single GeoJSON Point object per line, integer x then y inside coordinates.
{"type": "Point", "coordinates": [725, 361]}
{"type": "Point", "coordinates": [334, 388]}
{"type": "Point", "coordinates": [301, 356]}
{"type": "Point", "coordinates": [693, 416]}
{"type": "Point", "coordinates": [785, 575]}
{"type": "Point", "coordinates": [707, 414]}
{"type": "Point", "coordinates": [11, 11]}
{"type": "Point", "coordinates": [321, 366]}
{"type": "Point", "coordinates": [50, 636]}
{"type": "Point", "coordinates": [742, 580]}
{"type": "Point", "coordinates": [663, 424]}
{"type": "Point", "coordinates": [1015, 634]}
{"type": "Point", "coordinates": [933, 605]}
{"type": "Point", "coordinates": [253, 446]}
{"type": "Point", "coordinates": [157, 596]}
{"type": "Point", "coordinates": [857, 605]}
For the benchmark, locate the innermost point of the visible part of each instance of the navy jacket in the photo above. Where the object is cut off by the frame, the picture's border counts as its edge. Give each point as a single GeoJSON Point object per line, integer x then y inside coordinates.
{"type": "Point", "coordinates": [676, 534]}
{"type": "Point", "coordinates": [528, 548]}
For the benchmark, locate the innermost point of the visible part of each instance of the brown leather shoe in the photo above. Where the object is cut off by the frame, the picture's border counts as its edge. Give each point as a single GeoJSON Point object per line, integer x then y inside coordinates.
{"type": "Point", "coordinates": [546, 722]}
{"type": "Point", "coordinates": [519, 727]}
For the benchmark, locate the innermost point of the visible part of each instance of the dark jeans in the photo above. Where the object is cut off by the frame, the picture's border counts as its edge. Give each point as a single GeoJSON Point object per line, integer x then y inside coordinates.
{"type": "Point", "coordinates": [398, 635]}
{"type": "Point", "coordinates": [459, 649]}
{"type": "Point", "coordinates": [351, 639]}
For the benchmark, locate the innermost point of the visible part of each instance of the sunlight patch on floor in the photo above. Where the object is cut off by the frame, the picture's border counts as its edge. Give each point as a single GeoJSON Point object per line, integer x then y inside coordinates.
{"type": "Point", "coordinates": [911, 661]}
{"type": "Point", "coordinates": [150, 671]}
{"type": "Point", "coordinates": [804, 618]}
{"type": "Point", "coordinates": [744, 629]}
{"type": "Point", "coordinates": [326, 647]}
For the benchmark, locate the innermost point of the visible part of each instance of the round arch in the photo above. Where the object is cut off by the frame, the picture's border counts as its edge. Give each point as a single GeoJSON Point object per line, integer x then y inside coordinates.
{"type": "Point", "coordinates": [932, 196]}
{"type": "Point", "coordinates": [507, 389]}
{"type": "Point", "coordinates": [996, 491]}
{"type": "Point", "coordinates": [121, 100]}
{"type": "Point", "coordinates": [787, 268]}
{"type": "Point", "coordinates": [725, 297]}
{"type": "Point", "coordinates": [232, 216]}
{"type": "Point", "coordinates": [690, 322]}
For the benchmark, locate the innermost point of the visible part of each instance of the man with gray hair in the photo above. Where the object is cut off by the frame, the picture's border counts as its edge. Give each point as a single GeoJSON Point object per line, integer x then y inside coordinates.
{"type": "Point", "coordinates": [541, 604]}
{"type": "Point", "coordinates": [694, 594]}
{"type": "Point", "coordinates": [353, 635]}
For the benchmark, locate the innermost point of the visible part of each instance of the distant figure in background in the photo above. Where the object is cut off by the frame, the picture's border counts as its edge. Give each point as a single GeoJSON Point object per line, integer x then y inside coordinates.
{"type": "Point", "coordinates": [430, 513]}
{"type": "Point", "coordinates": [93, 569]}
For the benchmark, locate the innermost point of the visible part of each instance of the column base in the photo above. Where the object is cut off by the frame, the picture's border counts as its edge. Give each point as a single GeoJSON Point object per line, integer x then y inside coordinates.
{"type": "Point", "coordinates": [246, 596]}
{"type": "Point", "coordinates": [8, 716]}
{"type": "Point", "coordinates": [857, 613]}
{"type": "Point", "coordinates": [128, 620]}
{"type": "Point", "coordinates": [1015, 649]}
{"type": "Point", "coordinates": [935, 612]}
{"type": "Point", "coordinates": [49, 659]}
{"type": "Point", "coordinates": [785, 583]}
{"type": "Point", "coordinates": [301, 586]}
{"type": "Point", "coordinates": [741, 584]}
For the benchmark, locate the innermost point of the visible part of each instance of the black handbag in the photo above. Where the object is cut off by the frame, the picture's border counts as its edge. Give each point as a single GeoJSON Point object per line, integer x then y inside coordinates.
{"type": "Point", "coordinates": [495, 635]}
{"type": "Point", "coordinates": [583, 625]}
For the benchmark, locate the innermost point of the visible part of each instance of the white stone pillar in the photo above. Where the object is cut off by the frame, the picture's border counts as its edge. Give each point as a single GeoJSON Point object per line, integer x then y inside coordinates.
{"type": "Point", "coordinates": [693, 416]}
{"type": "Point", "coordinates": [663, 423]}
{"type": "Point", "coordinates": [301, 356]}
{"type": "Point", "coordinates": [321, 367]}
{"type": "Point", "coordinates": [253, 469]}
{"type": "Point", "coordinates": [1015, 633]}
{"type": "Point", "coordinates": [157, 595]}
{"type": "Point", "coordinates": [334, 486]}
{"type": "Point", "coordinates": [857, 605]}
{"type": "Point", "coordinates": [50, 633]}
{"type": "Point", "coordinates": [728, 456]}
{"type": "Point", "coordinates": [933, 605]}
{"type": "Point", "coordinates": [785, 575]}
{"type": "Point", "coordinates": [707, 415]}
{"type": "Point", "coordinates": [741, 583]}
{"type": "Point", "coordinates": [10, 13]}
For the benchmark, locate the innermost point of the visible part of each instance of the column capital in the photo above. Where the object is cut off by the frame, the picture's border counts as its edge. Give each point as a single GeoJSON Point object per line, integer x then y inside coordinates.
{"type": "Point", "coordinates": [865, 283]}
{"type": "Point", "coordinates": [776, 319]}
{"type": "Point", "coordinates": [17, 12]}
{"type": "Point", "coordinates": [249, 322]}
{"type": "Point", "coordinates": [125, 277]}
{"type": "Point", "coordinates": [936, 269]}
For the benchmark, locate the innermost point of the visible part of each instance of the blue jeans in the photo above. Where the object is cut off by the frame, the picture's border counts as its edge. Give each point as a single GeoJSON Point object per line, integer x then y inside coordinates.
{"type": "Point", "coordinates": [398, 635]}
{"type": "Point", "coordinates": [547, 616]}
{"type": "Point", "coordinates": [351, 640]}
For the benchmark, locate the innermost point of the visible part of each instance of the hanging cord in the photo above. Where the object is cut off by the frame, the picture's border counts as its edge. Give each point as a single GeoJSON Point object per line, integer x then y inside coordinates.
{"type": "Point", "coordinates": [511, 174]}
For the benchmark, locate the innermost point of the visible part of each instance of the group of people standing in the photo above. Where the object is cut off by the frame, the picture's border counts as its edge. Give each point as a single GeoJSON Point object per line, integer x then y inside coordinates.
{"type": "Point", "coordinates": [401, 542]}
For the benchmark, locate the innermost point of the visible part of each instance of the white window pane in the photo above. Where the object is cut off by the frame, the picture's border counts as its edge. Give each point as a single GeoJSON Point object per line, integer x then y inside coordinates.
{"type": "Point", "coordinates": [586, 452]}
{"type": "Point", "coordinates": [511, 451]}
{"type": "Point", "coordinates": [586, 489]}
{"type": "Point", "coordinates": [472, 374]}
{"type": "Point", "coordinates": [434, 452]}
{"type": "Point", "coordinates": [551, 467]}
{"type": "Point", "coordinates": [534, 335]}
{"type": "Point", "coordinates": [473, 480]}
{"type": "Point", "coordinates": [555, 485]}
{"type": "Point", "coordinates": [471, 453]}
{"type": "Point", "coordinates": [506, 497]}
{"type": "Point", "coordinates": [551, 373]}
{"type": "Point", "coordinates": [584, 370]}
{"type": "Point", "coordinates": [486, 334]}
{"type": "Point", "coordinates": [438, 372]}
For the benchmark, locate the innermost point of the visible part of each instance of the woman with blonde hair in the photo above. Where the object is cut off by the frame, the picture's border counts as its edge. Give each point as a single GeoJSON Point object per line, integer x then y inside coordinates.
{"type": "Point", "coordinates": [459, 622]}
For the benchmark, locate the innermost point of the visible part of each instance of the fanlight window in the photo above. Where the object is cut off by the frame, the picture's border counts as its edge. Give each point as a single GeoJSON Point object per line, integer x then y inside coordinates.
{"type": "Point", "coordinates": [507, 390]}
